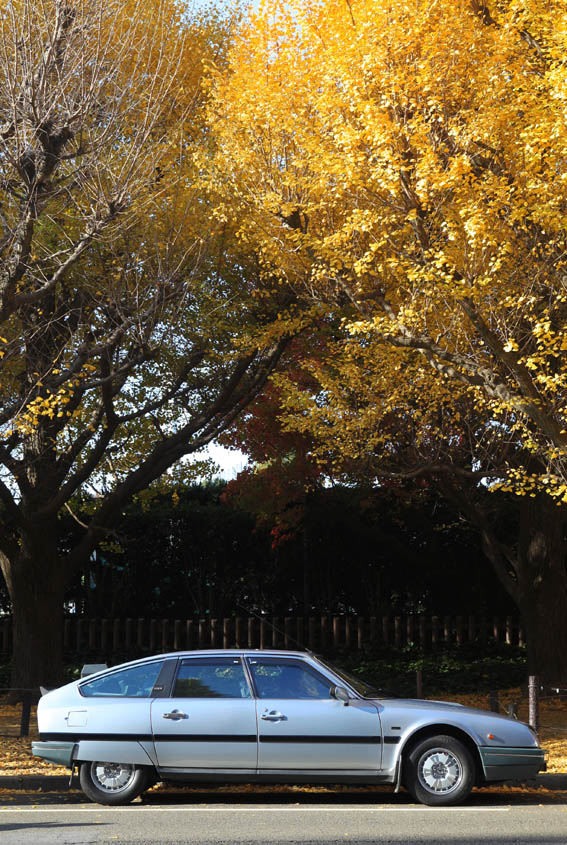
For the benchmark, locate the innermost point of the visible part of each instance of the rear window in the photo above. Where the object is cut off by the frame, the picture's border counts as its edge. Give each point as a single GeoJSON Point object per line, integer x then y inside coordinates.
{"type": "Point", "coordinates": [134, 682]}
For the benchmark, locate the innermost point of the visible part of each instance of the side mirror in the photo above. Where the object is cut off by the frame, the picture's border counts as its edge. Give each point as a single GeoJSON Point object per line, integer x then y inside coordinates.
{"type": "Point", "coordinates": [341, 694]}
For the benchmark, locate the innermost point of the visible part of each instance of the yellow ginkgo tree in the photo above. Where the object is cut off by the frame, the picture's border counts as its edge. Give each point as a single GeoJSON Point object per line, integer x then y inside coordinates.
{"type": "Point", "coordinates": [404, 164]}
{"type": "Point", "coordinates": [130, 335]}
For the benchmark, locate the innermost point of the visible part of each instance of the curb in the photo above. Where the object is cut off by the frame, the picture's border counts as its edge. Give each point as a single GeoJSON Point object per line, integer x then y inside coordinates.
{"type": "Point", "coordinates": [59, 783]}
{"type": "Point", "coordinates": [45, 783]}
{"type": "Point", "coordinates": [552, 781]}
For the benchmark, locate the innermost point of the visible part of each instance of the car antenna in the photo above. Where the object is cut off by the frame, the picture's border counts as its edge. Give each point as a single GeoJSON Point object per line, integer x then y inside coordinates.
{"type": "Point", "coordinates": [263, 619]}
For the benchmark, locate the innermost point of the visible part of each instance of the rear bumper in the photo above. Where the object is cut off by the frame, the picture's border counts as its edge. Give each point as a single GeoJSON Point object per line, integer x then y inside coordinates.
{"type": "Point", "coordinates": [511, 763]}
{"type": "Point", "coordinates": [60, 753]}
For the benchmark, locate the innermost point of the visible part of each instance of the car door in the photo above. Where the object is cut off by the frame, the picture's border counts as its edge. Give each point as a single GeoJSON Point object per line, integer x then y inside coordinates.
{"type": "Point", "coordinates": [209, 722]}
{"type": "Point", "coordinates": [302, 727]}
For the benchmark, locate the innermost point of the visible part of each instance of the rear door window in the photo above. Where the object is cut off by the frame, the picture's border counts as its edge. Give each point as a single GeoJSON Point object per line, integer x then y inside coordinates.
{"type": "Point", "coordinates": [211, 677]}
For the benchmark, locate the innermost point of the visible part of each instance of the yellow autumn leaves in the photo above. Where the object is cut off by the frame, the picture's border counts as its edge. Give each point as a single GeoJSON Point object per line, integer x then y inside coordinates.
{"type": "Point", "coordinates": [405, 164]}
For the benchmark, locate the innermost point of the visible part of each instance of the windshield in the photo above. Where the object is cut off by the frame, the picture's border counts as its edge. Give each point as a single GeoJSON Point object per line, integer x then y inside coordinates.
{"type": "Point", "coordinates": [363, 688]}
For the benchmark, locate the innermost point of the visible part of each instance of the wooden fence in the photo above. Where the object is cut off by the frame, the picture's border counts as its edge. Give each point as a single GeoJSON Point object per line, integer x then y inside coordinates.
{"type": "Point", "coordinates": [107, 637]}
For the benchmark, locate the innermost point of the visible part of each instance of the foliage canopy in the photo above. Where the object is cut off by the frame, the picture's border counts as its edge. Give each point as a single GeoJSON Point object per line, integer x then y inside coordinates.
{"type": "Point", "coordinates": [405, 164]}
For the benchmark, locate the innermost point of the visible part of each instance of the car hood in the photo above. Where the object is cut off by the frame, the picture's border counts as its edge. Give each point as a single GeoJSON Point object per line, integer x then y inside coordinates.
{"type": "Point", "coordinates": [447, 706]}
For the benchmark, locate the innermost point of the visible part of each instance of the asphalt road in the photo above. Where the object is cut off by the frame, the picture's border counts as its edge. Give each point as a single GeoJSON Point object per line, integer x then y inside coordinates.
{"type": "Point", "coordinates": [282, 818]}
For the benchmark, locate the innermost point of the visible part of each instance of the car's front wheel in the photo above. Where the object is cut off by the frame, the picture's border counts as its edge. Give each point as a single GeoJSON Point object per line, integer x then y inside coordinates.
{"type": "Point", "coordinates": [113, 783]}
{"type": "Point", "coordinates": [439, 771]}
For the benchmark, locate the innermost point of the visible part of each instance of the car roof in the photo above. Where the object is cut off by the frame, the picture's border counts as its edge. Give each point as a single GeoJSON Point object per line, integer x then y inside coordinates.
{"type": "Point", "coordinates": [231, 651]}
{"type": "Point", "coordinates": [203, 652]}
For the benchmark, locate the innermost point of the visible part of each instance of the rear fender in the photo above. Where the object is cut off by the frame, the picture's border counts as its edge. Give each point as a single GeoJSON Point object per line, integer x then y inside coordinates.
{"type": "Point", "coordinates": [107, 751]}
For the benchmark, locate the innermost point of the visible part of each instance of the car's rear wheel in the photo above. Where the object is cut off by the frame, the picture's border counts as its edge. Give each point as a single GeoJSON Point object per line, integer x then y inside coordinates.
{"type": "Point", "coordinates": [439, 771]}
{"type": "Point", "coordinates": [113, 783]}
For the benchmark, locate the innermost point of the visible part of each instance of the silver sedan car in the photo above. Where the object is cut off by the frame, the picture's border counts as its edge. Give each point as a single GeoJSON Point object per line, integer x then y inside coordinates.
{"type": "Point", "coordinates": [270, 717]}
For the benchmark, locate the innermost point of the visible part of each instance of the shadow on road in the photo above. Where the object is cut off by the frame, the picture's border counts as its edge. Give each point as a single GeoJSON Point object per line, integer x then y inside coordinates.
{"type": "Point", "coordinates": [44, 826]}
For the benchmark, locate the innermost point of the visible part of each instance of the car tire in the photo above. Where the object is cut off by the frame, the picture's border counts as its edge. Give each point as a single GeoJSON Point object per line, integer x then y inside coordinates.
{"type": "Point", "coordinates": [439, 771]}
{"type": "Point", "coordinates": [113, 783]}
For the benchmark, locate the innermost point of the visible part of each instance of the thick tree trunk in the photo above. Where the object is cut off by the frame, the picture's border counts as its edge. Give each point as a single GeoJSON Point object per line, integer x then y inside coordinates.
{"type": "Point", "coordinates": [36, 581]}
{"type": "Point", "coordinates": [542, 587]}
{"type": "Point", "coordinates": [533, 569]}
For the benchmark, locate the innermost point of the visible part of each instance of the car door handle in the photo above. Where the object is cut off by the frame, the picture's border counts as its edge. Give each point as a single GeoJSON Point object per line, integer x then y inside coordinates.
{"type": "Point", "coordinates": [272, 716]}
{"type": "Point", "coordinates": [175, 714]}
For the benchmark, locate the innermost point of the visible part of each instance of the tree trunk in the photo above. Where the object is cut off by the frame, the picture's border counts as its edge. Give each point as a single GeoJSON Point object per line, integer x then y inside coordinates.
{"type": "Point", "coordinates": [542, 587]}
{"type": "Point", "coordinates": [535, 576]}
{"type": "Point", "coordinates": [36, 580]}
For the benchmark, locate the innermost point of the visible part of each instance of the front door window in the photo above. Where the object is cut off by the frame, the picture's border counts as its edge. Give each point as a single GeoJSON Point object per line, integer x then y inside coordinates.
{"type": "Point", "coordinates": [286, 679]}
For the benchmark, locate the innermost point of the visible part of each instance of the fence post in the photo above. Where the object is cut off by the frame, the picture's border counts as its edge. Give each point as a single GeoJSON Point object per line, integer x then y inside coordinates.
{"type": "Point", "coordinates": [434, 628]}
{"type": "Point", "coordinates": [422, 633]}
{"type": "Point", "coordinates": [299, 631]}
{"type": "Point", "coordinates": [324, 631]}
{"type": "Point", "coordinates": [533, 702]}
{"type": "Point", "coordinates": [409, 630]}
{"type": "Point", "coordinates": [238, 631]}
{"type": "Point", "coordinates": [471, 629]}
{"type": "Point", "coordinates": [459, 630]}
{"type": "Point", "coordinates": [177, 635]}
{"type": "Point", "coordinates": [250, 632]}
{"type": "Point", "coordinates": [262, 633]}
{"type": "Point", "coordinates": [360, 633]}
{"type": "Point", "coordinates": [129, 629]}
{"type": "Point", "coordinates": [496, 629]}
{"type": "Point", "coordinates": [225, 632]}
{"type": "Point", "coordinates": [494, 702]}
{"type": "Point", "coordinates": [386, 630]}
{"type": "Point", "coordinates": [189, 626]}
{"type": "Point", "coordinates": [311, 635]}
{"type": "Point", "coordinates": [419, 683]}
{"type": "Point", "coordinates": [336, 623]}
{"type": "Point", "coordinates": [79, 632]}
{"type": "Point", "coordinates": [287, 631]}
{"type": "Point", "coordinates": [26, 710]}
{"type": "Point", "coordinates": [115, 635]}
{"type": "Point", "coordinates": [104, 635]}
{"type": "Point", "coordinates": [372, 629]}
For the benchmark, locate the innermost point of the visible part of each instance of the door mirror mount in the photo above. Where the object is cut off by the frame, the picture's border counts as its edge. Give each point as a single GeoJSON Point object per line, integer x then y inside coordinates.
{"type": "Point", "coordinates": [341, 694]}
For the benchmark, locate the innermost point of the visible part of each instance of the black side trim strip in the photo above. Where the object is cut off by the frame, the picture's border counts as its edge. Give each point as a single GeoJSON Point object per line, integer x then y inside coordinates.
{"type": "Point", "coordinates": [342, 740]}
{"type": "Point", "coordinates": [110, 737]}
{"type": "Point", "coordinates": [69, 737]}
{"type": "Point", "coordinates": [205, 737]}
{"type": "Point", "coordinates": [77, 737]}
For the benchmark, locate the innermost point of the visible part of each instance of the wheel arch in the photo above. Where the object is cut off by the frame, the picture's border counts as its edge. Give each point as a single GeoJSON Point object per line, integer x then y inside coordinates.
{"type": "Point", "coordinates": [442, 729]}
